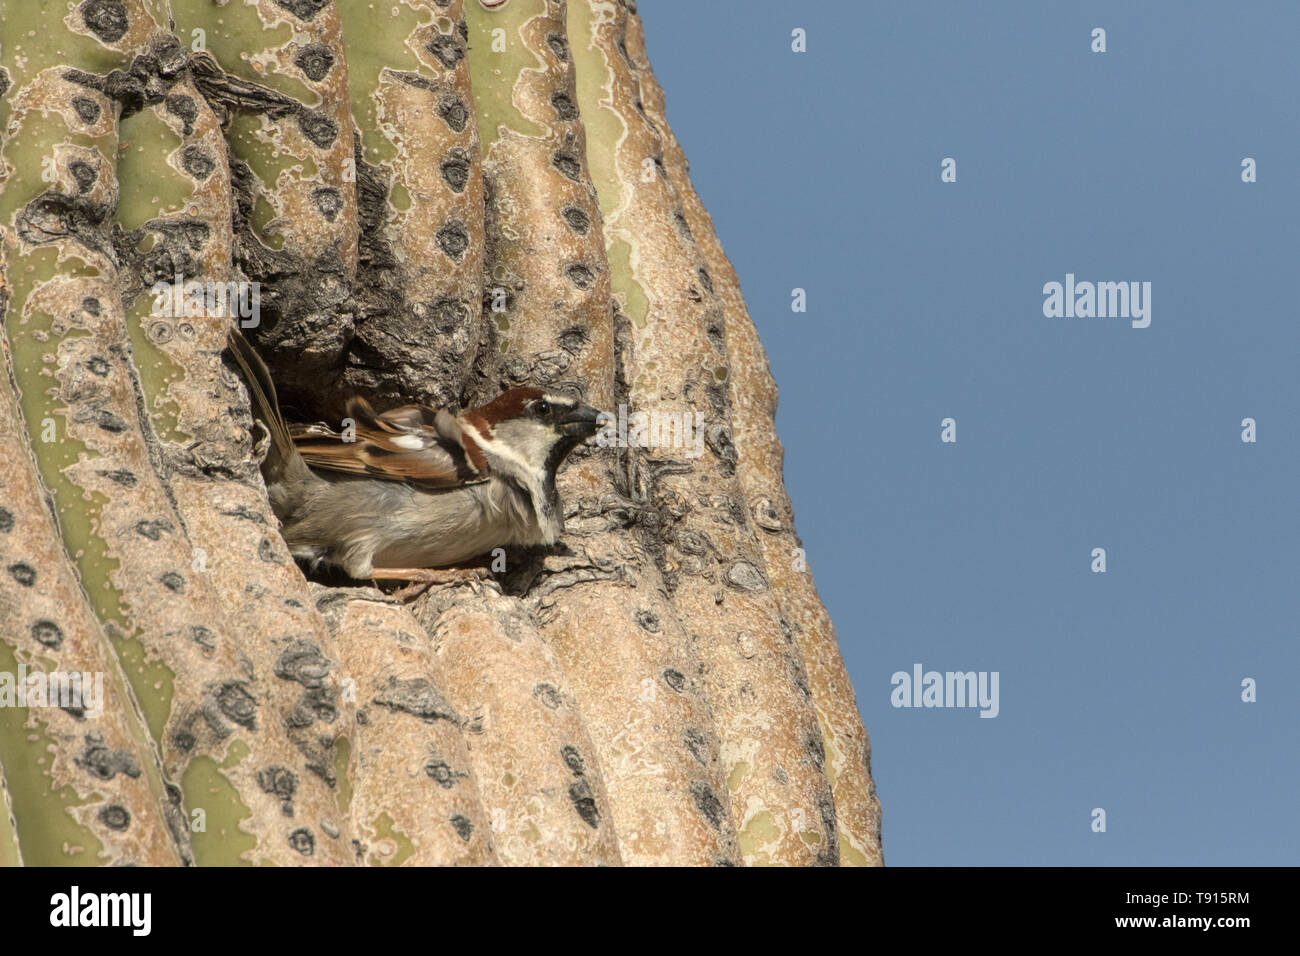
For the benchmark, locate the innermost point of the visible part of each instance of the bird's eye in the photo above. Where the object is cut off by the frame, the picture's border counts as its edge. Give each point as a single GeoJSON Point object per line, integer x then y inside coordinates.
{"type": "Point", "coordinates": [542, 408]}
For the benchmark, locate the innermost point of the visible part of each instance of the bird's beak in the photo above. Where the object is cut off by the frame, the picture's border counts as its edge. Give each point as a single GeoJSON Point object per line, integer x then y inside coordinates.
{"type": "Point", "coordinates": [582, 422]}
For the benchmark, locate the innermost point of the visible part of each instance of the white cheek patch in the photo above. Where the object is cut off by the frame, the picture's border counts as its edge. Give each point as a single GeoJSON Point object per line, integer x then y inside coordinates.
{"type": "Point", "coordinates": [506, 453]}
{"type": "Point", "coordinates": [503, 449]}
{"type": "Point", "coordinates": [409, 442]}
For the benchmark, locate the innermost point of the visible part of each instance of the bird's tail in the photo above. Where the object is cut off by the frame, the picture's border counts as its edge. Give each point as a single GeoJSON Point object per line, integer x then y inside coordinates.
{"type": "Point", "coordinates": [281, 455]}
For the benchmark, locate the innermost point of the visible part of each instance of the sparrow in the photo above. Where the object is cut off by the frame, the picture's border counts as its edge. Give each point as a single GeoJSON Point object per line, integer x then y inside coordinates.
{"type": "Point", "coordinates": [396, 494]}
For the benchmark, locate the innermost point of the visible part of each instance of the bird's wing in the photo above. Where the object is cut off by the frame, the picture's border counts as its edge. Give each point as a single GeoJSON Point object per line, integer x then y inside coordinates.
{"type": "Point", "coordinates": [404, 444]}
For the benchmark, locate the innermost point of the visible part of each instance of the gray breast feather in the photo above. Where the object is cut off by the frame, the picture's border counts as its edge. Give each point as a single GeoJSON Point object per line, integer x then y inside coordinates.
{"type": "Point", "coordinates": [359, 524]}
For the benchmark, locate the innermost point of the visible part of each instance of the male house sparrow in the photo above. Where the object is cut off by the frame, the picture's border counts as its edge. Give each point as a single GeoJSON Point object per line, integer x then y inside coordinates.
{"type": "Point", "coordinates": [416, 488]}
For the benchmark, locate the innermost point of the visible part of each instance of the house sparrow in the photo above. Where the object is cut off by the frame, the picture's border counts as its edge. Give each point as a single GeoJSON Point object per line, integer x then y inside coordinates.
{"type": "Point", "coordinates": [415, 488]}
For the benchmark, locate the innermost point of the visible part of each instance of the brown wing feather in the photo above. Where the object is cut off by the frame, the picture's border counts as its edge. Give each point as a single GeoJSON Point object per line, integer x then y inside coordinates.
{"type": "Point", "coordinates": [398, 445]}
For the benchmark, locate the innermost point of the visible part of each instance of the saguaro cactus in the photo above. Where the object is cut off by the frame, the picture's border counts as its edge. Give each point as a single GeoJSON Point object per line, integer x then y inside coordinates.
{"type": "Point", "coordinates": [419, 200]}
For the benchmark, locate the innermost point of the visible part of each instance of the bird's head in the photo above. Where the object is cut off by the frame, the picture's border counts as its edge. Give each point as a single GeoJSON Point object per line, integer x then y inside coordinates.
{"type": "Point", "coordinates": [529, 432]}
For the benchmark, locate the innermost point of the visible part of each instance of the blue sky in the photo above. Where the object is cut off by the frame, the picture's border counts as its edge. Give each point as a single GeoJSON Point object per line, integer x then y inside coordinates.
{"type": "Point", "coordinates": [1119, 690]}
